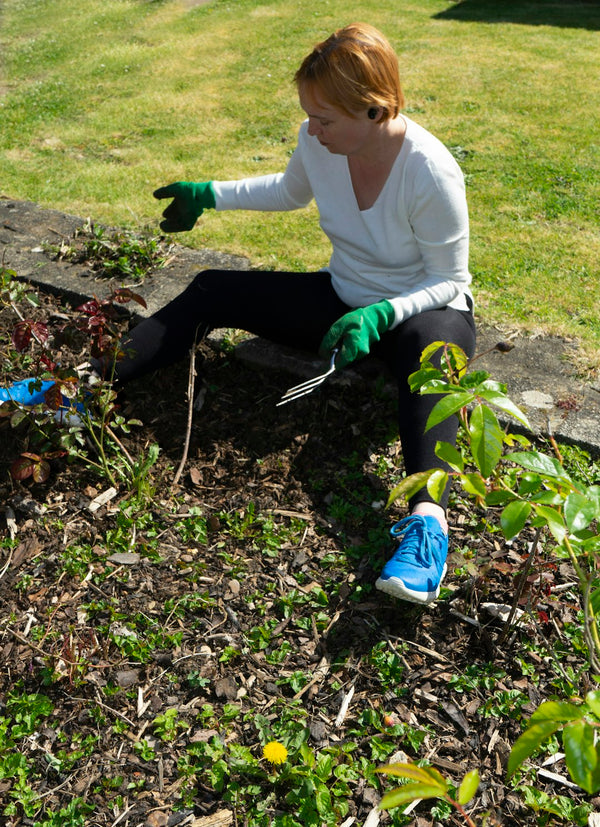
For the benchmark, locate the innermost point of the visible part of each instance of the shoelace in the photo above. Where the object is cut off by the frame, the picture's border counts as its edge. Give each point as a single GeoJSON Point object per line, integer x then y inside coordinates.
{"type": "Point", "coordinates": [414, 538]}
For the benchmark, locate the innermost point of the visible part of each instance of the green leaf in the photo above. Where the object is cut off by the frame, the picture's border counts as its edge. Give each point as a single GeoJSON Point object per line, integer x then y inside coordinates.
{"type": "Point", "coordinates": [429, 351]}
{"type": "Point", "coordinates": [504, 403]}
{"type": "Point", "coordinates": [409, 792]}
{"type": "Point", "coordinates": [422, 775]}
{"type": "Point", "coordinates": [579, 511]}
{"type": "Point", "coordinates": [421, 377]}
{"type": "Point", "coordinates": [409, 486]}
{"type": "Point", "coordinates": [553, 520]}
{"type": "Point", "coordinates": [528, 742]}
{"type": "Point", "coordinates": [458, 358]}
{"type": "Point", "coordinates": [592, 699]}
{"type": "Point", "coordinates": [558, 712]}
{"type": "Point", "coordinates": [450, 455]}
{"type": "Point", "coordinates": [474, 380]}
{"type": "Point", "coordinates": [474, 485]}
{"type": "Point", "coordinates": [582, 755]}
{"type": "Point", "coordinates": [446, 407]}
{"type": "Point", "coordinates": [323, 799]}
{"type": "Point", "coordinates": [514, 517]}
{"type": "Point", "coordinates": [468, 787]}
{"type": "Point", "coordinates": [436, 484]}
{"type": "Point", "coordinates": [540, 463]}
{"type": "Point", "coordinates": [486, 439]}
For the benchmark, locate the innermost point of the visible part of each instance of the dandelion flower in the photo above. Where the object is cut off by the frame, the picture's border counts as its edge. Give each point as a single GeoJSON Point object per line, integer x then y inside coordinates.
{"type": "Point", "coordinates": [275, 753]}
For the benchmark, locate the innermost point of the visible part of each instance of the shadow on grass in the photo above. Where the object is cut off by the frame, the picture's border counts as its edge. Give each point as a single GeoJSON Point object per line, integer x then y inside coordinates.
{"type": "Point", "coordinates": [581, 14]}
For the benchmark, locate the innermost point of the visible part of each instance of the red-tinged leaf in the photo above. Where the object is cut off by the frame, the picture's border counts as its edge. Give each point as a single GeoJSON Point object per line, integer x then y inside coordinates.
{"type": "Point", "coordinates": [41, 471]}
{"type": "Point", "coordinates": [68, 388]}
{"type": "Point", "coordinates": [90, 307]}
{"type": "Point", "coordinates": [123, 295]}
{"type": "Point", "coordinates": [55, 454]}
{"type": "Point", "coordinates": [47, 361]}
{"type": "Point", "coordinates": [40, 331]}
{"type": "Point", "coordinates": [22, 468]}
{"type": "Point", "coordinates": [53, 397]}
{"type": "Point", "coordinates": [21, 336]}
{"type": "Point", "coordinates": [504, 568]}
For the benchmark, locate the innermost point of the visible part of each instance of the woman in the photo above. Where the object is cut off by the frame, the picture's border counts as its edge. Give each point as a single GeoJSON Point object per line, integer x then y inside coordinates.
{"type": "Point", "coordinates": [391, 199]}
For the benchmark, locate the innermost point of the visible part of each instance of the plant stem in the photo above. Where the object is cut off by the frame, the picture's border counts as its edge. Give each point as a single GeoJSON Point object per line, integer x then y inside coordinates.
{"type": "Point", "coordinates": [460, 809]}
{"type": "Point", "coordinates": [590, 626]}
{"type": "Point", "coordinates": [520, 585]}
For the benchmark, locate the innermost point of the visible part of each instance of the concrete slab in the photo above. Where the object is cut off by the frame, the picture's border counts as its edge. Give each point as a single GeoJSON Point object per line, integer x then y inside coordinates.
{"type": "Point", "coordinates": [540, 371]}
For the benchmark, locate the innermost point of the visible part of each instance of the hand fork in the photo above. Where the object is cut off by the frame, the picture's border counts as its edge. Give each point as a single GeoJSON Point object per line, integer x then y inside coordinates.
{"type": "Point", "coordinates": [310, 385]}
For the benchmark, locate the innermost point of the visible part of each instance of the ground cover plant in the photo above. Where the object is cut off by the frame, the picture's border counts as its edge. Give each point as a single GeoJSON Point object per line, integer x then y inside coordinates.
{"type": "Point", "coordinates": [214, 649]}
{"type": "Point", "coordinates": [153, 91]}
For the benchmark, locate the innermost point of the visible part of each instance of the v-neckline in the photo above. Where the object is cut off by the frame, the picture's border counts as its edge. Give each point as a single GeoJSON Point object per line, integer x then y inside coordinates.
{"type": "Point", "coordinates": [385, 182]}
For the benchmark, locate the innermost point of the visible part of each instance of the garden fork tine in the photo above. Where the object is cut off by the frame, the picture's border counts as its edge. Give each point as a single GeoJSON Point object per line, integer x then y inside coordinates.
{"type": "Point", "coordinates": [309, 386]}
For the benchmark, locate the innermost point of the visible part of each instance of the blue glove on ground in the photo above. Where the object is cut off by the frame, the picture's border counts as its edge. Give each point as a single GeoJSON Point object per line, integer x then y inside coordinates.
{"type": "Point", "coordinates": [20, 392]}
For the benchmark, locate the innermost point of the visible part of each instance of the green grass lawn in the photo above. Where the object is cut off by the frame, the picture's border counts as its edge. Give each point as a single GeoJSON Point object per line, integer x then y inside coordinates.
{"type": "Point", "coordinates": [103, 101]}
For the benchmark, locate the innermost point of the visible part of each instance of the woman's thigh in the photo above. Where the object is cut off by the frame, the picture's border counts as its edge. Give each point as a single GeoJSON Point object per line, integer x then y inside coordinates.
{"type": "Point", "coordinates": [293, 309]}
{"type": "Point", "coordinates": [403, 346]}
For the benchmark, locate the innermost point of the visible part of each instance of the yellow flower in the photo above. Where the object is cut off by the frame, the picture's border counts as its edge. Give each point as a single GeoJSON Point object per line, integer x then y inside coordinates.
{"type": "Point", "coordinates": [275, 753]}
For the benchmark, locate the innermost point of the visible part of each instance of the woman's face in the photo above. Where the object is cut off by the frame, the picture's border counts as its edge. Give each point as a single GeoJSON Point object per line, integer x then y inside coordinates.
{"type": "Point", "coordinates": [340, 133]}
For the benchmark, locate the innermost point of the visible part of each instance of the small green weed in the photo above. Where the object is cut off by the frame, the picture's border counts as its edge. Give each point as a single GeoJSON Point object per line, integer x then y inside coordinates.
{"type": "Point", "coordinates": [167, 726]}
{"type": "Point", "coordinates": [117, 254]}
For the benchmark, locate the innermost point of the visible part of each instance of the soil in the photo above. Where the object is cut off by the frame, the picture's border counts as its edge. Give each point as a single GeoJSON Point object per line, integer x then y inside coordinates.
{"type": "Point", "coordinates": [449, 672]}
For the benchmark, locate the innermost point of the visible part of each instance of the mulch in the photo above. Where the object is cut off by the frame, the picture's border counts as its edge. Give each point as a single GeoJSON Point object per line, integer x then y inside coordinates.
{"type": "Point", "coordinates": [457, 683]}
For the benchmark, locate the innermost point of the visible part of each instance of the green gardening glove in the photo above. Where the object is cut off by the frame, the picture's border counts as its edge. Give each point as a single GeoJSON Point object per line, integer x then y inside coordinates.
{"type": "Point", "coordinates": [356, 332]}
{"type": "Point", "coordinates": [188, 204]}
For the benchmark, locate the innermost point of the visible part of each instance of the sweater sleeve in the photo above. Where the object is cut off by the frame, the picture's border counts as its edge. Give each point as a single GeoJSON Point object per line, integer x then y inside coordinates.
{"type": "Point", "coordinates": [440, 222]}
{"type": "Point", "coordinates": [289, 190]}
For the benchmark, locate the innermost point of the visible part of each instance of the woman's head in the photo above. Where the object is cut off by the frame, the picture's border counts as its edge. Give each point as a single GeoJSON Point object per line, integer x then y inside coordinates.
{"type": "Point", "coordinates": [354, 69]}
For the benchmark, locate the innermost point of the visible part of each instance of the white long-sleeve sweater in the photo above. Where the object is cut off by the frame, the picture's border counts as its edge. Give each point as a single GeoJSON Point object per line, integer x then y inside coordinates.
{"type": "Point", "coordinates": [410, 247]}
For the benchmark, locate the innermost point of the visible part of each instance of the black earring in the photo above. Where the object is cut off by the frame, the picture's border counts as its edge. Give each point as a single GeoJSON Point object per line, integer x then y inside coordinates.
{"type": "Point", "coordinates": [372, 113]}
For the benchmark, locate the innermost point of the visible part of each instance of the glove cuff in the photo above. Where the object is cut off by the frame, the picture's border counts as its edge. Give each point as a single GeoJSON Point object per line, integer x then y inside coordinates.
{"type": "Point", "coordinates": [204, 195]}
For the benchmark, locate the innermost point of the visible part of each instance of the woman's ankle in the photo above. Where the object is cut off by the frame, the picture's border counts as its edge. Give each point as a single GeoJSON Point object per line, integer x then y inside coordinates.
{"type": "Point", "coordinates": [432, 510]}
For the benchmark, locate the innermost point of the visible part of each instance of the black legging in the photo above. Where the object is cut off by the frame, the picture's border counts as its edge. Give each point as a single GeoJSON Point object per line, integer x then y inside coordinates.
{"type": "Point", "coordinates": [297, 309]}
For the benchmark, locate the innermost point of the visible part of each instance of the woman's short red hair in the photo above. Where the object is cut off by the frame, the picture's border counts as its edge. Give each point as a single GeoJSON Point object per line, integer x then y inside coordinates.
{"type": "Point", "coordinates": [354, 69]}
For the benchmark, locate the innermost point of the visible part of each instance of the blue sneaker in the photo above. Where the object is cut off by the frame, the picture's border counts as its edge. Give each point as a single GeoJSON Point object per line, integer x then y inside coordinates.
{"type": "Point", "coordinates": [418, 566]}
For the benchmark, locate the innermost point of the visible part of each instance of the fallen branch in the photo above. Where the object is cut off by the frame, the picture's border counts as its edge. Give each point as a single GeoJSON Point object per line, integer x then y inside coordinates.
{"type": "Point", "coordinates": [190, 413]}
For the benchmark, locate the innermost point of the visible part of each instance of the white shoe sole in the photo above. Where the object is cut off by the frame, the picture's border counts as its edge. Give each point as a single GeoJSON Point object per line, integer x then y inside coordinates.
{"type": "Point", "coordinates": [397, 588]}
